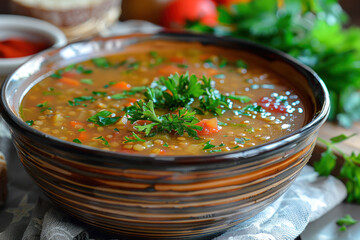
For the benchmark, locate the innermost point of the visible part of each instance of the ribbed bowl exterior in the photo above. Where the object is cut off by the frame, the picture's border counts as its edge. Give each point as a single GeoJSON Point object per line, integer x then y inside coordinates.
{"type": "Point", "coordinates": [160, 197]}
{"type": "Point", "coordinates": [165, 201]}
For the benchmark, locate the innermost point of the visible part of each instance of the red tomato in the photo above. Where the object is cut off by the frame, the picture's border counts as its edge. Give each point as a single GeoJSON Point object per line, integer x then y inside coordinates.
{"type": "Point", "coordinates": [209, 126]}
{"type": "Point", "coordinates": [177, 12]}
{"type": "Point", "coordinates": [270, 104]}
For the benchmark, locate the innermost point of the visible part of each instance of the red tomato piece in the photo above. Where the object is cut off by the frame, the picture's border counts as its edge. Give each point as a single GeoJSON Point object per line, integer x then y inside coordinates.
{"type": "Point", "coordinates": [270, 104]}
{"type": "Point", "coordinates": [177, 12]}
{"type": "Point", "coordinates": [209, 126]}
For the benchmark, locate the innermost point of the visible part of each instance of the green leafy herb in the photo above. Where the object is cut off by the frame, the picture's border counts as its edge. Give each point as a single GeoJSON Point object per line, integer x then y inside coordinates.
{"type": "Point", "coordinates": [87, 81]}
{"type": "Point", "coordinates": [241, 64]}
{"type": "Point", "coordinates": [182, 122]}
{"type": "Point", "coordinates": [303, 29]}
{"type": "Point", "coordinates": [30, 122]}
{"type": "Point", "coordinates": [126, 94]}
{"type": "Point", "coordinates": [349, 171]}
{"type": "Point", "coordinates": [81, 130]}
{"type": "Point", "coordinates": [101, 62]}
{"type": "Point", "coordinates": [105, 142]}
{"type": "Point", "coordinates": [181, 65]}
{"type": "Point", "coordinates": [81, 69]}
{"type": "Point", "coordinates": [116, 130]}
{"type": "Point", "coordinates": [166, 145]}
{"type": "Point", "coordinates": [242, 99]}
{"type": "Point", "coordinates": [44, 106]}
{"type": "Point", "coordinates": [241, 140]}
{"type": "Point", "coordinates": [134, 65]}
{"type": "Point", "coordinates": [77, 141]}
{"type": "Point", "coordinates": [208, 145]}
{"type": "Point", "coordinates": [135, 138]}
{"type": "Point", "coordinates": [346, 221]}
{"type": "Point", "coordinates": [97, 93]}
{"type": "Point", "coordinates": [76, 101]}
{"type": "Point", "coordinates": [102, 118]}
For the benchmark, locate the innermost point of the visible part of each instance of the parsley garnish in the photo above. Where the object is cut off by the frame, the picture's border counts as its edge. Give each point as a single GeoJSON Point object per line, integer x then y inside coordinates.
{"type": "Point", "coordinates": [241, 140]}
{"type": "Point", "coordinates": [30, 122]}
{"type": "Point", "coordinates": [76, 101]}
{"type": "Point", "coordinates": [101, 62]}
{"type": "Point", "coordinates": [182, 122]}
{"type": "Point", "coordinates": [81, 130]}
{"type": "Point", "coordinates": [102, 119]}
{"type": "Point", "coordinates": [97, 93]}
{"type": "Point", "coordinates": [241, 64]}
{"type": "Point", "coordinates": [87, 81]}
{"type": "Point", "coordinates": [208, 145]}
{"type": "Point", "coordinates": [105, 142]}
{"type": "Point", "coordinates": [242, 99]}
{"type": "Point", "coordinates": [81, 69]}
{"type": "Point", "coordinates": [77, 141]}
{"type": "Point", "coordinates": [44, 106]}
{"type": "Point", "coordinates": [346, 221]}
{"type": "Point", "coordinates": [135, 138]}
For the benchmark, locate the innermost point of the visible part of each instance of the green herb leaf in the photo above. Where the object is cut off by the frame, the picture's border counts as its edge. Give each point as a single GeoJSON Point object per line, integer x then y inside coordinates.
{"type": "Point", "coordinates": [241, 140]}
{"type": "Point", "coordinates": [77, 141]}
{"type": "Point", "coordinates": [87, 81]}
{"type": "Point", "coordinates": [76, 101]}
{"type": "Point", "coordinates": [241, 64]}
{"type": "Point", "coordinates": [30, 122]}
{"type": "Point", "coordinates": [81, 130]}
{"type": "Point", "coordinates": [101, 62]}
{"type": "Point", "coordinates": [135, 138]}
{"type": "Point", "coordinates": [105, 142]}
{"type": "Point", "coordinates": [208, 145]}
{"type": "Point", "coordinates": [101, 118]}
{"type": "Point", "coordinates": [242, 99]}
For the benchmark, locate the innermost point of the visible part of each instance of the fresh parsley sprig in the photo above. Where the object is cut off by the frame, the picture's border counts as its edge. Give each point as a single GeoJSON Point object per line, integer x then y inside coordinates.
{"type": "Point", "coordinates": [180, 123]}
{"type": "Point", "coordinates": [349, 171]}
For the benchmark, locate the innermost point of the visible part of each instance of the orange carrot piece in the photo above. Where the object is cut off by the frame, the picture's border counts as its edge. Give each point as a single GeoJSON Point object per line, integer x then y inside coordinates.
{"type": "Point", "coordinates": [83, 136]}
{"type": "Point", "coordinates": [121, 85]}
{"type": "Point", "coordinates": [70, 81]}
{"type": "Point", "coordinates": [168, 69]}
{"type": "Point", "coordinates": [209, 126]}
{"type": "Point", "coordinates": [75, 123]}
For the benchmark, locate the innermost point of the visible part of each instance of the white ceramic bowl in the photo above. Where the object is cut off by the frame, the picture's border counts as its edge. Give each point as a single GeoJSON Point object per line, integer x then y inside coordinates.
{"type": "Point", "coordinates": [30, 29]}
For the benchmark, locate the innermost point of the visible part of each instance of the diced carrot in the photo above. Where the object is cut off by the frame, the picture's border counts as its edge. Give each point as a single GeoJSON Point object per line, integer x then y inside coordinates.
{"type": "Point", "coordinates": [178, 59]}
{"type": "Point", "coordinates": [75, 123]}
{"type": "Point", "coordinates": [168, 69]}
{"type": "Point", "coordinates": [121, 85]}
{"type": "Point", "coordinates": [209, 126]}
{"type": "Point", "coordinates": [83, 136]}
{"type": "Point", "coordinates": [130, 102]}
{"type": "Point", "coordinates": [70, 81]}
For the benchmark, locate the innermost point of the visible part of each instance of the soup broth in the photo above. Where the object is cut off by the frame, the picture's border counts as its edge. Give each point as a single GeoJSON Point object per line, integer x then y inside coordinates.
{"type": "Point", "coordinates": [166, 98]}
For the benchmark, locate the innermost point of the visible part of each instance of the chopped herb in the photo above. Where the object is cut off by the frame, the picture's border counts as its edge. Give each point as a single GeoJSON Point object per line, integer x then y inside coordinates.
{"type": "Point", "coordinates": [57, 74]}
{"type": "Point", "coordinates": [215, 150]}
{"type": "Point", "coordinates": [241, 140]}
{"type": "Point", "coordinates": [81, 130]}
{"type": "Point", "coordinates": [77, 141]}
{"type": "Point", "coordinates": [105, 142]}
{"type": "Point", "coordinates": [166, 145]}
{"type": "Point", "coordinates": [116, 130]}
{"type": "Point", "coordinates": [223, 63]}
{"type": "Point", "coordinates": [241, 64]}
{"type": "Point", "coordinates": [119, 96]}
{"type": "Point", "coordinates": [242, 99]}
{"type": "Point", "coordinates": [181, 65]}
{"type": "Point", "coordinates": [96, 93]}
{"type": "Point", "coordinates": [101, 118]}
{"type": "Point", "coordinates": [208, 145]}
{"type": "Point", "coordinates": [101, 62]}
{"type": "Point", "coordinates": [345, 222]}
{"type": "Point", "coordinates": [87, 81]}
{"type": "Point", "coordinates": [41, 105]}
{"type": "Point", "coordinates": [182, 122]}
{"type": "Point", "coordinates": [30, 122]}
{"type": "Point", "coordinates": [136, 138]}
{"type": "Point", "coordinates": [76, 101]}
{"type": "Point", "coordinates": [222, 145]}
{"type": "Point", "coordinates": [235, 147]}
{"type": "Point", "coordinates": [153, 54]}
{"type": "Point", "coordinates": [70, 67]}
{"type": "Point", "coordinates": [134, 65]}
{"type": "Point", "coordinates": [81, 69]}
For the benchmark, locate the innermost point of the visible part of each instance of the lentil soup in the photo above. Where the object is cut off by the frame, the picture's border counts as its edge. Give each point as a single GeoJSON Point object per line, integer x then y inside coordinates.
{"type": "Point", "coordinates": [166, 98]}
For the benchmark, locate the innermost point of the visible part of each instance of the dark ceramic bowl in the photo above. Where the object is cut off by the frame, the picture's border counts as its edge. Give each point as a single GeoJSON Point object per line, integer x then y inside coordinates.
{"type": "Point", "coordinates": [161, 197]}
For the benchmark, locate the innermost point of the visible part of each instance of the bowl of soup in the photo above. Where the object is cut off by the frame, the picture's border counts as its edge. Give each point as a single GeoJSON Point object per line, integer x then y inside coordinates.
{"type": "Point", "coordinates": [164, 136]}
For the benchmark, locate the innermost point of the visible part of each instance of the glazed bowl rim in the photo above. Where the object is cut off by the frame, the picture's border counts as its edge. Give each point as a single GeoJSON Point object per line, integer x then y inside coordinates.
{"type": "Point", "coordinates": [317, 118]}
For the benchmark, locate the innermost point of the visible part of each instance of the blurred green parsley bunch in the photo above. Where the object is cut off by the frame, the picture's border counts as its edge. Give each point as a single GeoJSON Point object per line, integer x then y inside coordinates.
{"type": "Point", "coordinates": [313, 31]}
